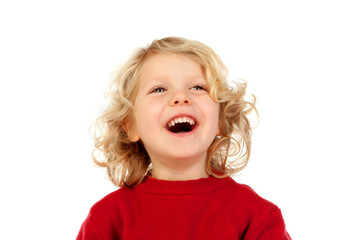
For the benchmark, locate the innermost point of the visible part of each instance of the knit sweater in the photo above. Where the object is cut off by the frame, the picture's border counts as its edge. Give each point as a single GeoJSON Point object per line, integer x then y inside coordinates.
{"type": "Point", "coordinates": [207, 208]}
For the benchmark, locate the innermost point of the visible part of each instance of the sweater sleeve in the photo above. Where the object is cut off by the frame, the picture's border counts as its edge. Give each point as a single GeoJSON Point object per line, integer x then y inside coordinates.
{"type": "Point", "coordinates": [271, 227]}
{"type": "Point", "coordinates": [87, 231]}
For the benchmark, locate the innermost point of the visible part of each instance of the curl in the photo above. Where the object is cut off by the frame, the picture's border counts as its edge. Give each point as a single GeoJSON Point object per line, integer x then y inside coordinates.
{"type": "Point", "coordinates": [127, 162]}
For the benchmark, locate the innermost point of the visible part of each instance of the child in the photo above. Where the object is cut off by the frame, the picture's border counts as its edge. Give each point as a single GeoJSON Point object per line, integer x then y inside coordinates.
{"type": "Point", "coordinates": [173, 134]}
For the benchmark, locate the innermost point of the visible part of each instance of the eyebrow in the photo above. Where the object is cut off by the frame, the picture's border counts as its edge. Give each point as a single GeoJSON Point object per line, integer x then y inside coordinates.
{"type": "Point", "coordinates": [162, 78]}
{"type": "Point", "coordinates": [191, 77]}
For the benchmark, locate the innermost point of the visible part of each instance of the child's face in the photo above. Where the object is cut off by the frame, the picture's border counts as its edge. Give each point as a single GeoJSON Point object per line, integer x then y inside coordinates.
{"type": "Point", "coordinates": [173, 89]}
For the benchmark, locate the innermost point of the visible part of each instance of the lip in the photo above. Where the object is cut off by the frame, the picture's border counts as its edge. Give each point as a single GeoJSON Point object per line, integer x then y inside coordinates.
{"type": "Point", "coordinates": [185, 133]}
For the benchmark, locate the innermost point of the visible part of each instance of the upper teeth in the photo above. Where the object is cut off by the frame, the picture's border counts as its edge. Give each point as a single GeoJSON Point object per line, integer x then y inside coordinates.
{"type": "Point", "coordinates": [181, 120]}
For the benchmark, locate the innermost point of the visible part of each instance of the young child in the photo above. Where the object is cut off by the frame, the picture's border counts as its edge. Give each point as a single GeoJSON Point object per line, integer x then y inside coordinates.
{"type": "Point", "coordinates": [173, 134]}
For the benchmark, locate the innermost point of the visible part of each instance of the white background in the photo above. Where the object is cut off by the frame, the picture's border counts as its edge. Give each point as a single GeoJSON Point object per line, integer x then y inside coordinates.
{"type": "Point", "coordinates": [55, 60]}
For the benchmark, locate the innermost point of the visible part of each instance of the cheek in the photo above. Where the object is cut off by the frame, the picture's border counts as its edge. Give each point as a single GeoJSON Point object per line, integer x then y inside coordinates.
{"type": "Point", "coordinates": [212, 111]}
{"type": "Point", "coordinates": [211, 108]}
{"type": "Point", "coordinates": [149, 113]}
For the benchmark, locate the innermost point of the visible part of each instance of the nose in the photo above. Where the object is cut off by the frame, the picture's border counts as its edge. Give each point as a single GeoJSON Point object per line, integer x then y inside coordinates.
{"type": "Point", "coordinates": [180, 98]}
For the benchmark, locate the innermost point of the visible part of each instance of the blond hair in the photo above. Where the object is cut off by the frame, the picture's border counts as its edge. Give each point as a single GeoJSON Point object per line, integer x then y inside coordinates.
{"type": "Point", "coordinates": [127, 162]}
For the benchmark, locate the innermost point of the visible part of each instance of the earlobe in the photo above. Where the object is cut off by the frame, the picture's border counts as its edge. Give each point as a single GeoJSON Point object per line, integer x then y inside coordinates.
{"type": "Point", "coordinates": [218, 133]}
{"type": "Point", "coordinates": [131, 131]}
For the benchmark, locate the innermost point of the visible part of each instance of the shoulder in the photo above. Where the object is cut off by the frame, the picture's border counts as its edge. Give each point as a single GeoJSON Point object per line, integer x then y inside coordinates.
{"type": "Point", "coordinates": [259, 216]}
{"type": "Point", "coordinates": [245, 195]}
{"type": "Point", "coordinates": [112, 202]}
{"type": "Point", "coordinates": [246, 204]}
{"type": "Point", "coordinates": [104, 220]}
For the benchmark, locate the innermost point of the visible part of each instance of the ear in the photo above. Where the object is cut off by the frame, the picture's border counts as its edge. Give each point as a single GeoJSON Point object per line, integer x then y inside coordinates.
{"type": "Point", "coordinates": [219, 127]}
{"type": "Point", "coordinates": [218, 133]}
{"type": "Point", "coordinates": [131, 129]}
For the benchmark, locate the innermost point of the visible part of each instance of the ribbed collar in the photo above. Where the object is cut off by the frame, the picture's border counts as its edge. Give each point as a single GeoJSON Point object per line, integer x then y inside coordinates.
{"type": "Point", "coordinates": [198, 186]}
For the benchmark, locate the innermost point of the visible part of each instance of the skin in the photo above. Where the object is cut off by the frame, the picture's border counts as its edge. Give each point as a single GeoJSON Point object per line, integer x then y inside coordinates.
{"type": "Point", "coordinates": [173, 85]}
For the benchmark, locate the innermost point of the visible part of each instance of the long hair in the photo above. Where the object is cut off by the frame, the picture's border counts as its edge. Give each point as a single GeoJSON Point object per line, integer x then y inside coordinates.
{"type": "Point", "coordinates": [128, 162]}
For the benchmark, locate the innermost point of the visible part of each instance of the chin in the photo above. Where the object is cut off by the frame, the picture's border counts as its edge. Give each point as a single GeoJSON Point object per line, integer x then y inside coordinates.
{"type": "Point", "coordinates": [187, 155]}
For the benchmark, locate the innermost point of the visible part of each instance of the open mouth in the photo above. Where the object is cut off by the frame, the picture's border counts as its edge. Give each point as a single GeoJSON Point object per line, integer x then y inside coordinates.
{"type": "Point", "coordinates": [181, 125]}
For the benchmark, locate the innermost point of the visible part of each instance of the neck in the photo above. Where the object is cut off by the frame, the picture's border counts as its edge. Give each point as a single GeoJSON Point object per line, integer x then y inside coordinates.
{"type": "Point", "coordinates": [180, 170]}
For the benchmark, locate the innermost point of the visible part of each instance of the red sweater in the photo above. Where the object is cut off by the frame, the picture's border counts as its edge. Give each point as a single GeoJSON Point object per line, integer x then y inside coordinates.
{"type": "Point", "coordinates": [207, 208]}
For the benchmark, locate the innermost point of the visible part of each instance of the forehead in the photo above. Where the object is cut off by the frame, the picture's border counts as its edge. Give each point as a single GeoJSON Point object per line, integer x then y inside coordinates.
{"type": "Point", "coordinates": [161, 66]}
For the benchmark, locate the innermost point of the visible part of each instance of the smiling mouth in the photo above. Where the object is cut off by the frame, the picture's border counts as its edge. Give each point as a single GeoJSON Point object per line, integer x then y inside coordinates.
{"type": "Point", "coordinates": [181, 125]}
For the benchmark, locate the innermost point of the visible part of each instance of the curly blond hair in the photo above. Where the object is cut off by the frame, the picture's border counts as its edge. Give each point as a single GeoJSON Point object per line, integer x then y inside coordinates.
{"type": "Point", "coordinates": [127, 162]}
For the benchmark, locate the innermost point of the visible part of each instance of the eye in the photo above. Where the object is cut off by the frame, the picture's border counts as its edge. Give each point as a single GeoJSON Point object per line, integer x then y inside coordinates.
{"type": "Point", "coordinates": [198, 87]}
{"type": "Point", "coordinates": [158, 90]}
